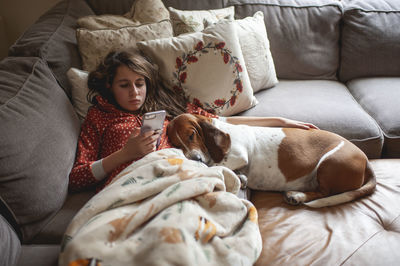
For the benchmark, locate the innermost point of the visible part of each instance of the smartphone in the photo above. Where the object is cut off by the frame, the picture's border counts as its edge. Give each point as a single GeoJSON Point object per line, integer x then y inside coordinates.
{"type": "Point", "coordinates": [153, 121]}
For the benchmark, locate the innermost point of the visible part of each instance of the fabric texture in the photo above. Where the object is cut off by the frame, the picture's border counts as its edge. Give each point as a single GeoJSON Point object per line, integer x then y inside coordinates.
{"type": "Point", "coordinates": [363, 232]}
{"type": "Point", "coordinates": [304, 35]}
{"type": "Point", "coordinates": [255, 47]}
{"type": "Point", "coordinates": [101, 7]}
{"type": "Point", "coordinates": [379, 96]}
{"type": "Point", "coordinates": [148, 11]}
{"type": "Point", "coordinates": [105, 22]}
{"type": "Point", "coordinates": [9, 244]}
{"type": "Point", "coordinates": [186, 21]}
{"type": "Point", "coordinates": [194, 4]}
{"type": "Point", "coordinates": [370, 43]}
{"type": "Point", "coordinates": [166, 208]}
{"type": "Point", "coordinates": [94, 45]}
{"type": "Point", "coordinates": [327, 104]}
{"type": "Point", "coordinates": [79, 90]}
{"type": "Point", "coordinates": [141, 12]}
{"type": "Point", "coordinates": [207, 66]}
{"type": "Point", "coordinates": [101, 135]}
{"type": "Point", "coordinates": [38, 130]}
{"type": "Point", "coordinates": [52, 37]}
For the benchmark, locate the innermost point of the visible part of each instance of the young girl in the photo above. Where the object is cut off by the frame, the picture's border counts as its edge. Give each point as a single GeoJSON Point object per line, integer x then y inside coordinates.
{"type": "Point", "coordinates": [123, 88]}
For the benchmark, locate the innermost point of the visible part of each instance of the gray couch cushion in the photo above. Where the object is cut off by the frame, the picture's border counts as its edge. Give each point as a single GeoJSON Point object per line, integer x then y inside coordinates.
{"type": "Point", "coordinates": [53, 39]}
{"type": "Point", "coordinates": [9, 244]}
{"type": "Point", "coordinates": [43, 255]}
{"type": "Point", "coordinates": [304, 35]}
{"type": "Point", "coordinates": [101, 7]}
{"type": "Point", "coordinates": [53, 232]}
{"type": "Point", "coordinates": [39, 132]}
{"type": "Point", "coordinates": [380, 97]}
{"type": "Point", "coordinates": [370, 39]}
{"type": "Point", "coordinates": [121, 7]}
{"type": "Point", "coordinates": [327, 104]}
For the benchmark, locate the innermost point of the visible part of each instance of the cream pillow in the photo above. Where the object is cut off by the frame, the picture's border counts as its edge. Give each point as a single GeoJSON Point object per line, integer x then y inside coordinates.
{"type": "Point", "coordinates": [184, 21]}
{"type": "Point", "coordinates": [105, 22]}
{"type": "Point", "coordinates": [147, 11]}
{"type": "Point", "coordinates": [142, 12]}
{"type": "Point", "coordinates": [94, 45]}
{"type": "Point", "coordinates": [257, 56]}
{"type": "Point", "coordinates": [78, 79]}
{"type": "Point", "coordinates": [207, 66]}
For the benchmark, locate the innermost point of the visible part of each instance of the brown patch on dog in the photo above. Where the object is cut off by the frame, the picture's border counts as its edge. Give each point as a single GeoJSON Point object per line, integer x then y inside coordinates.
{"type": "Point", "coordinates": [300, 151]}
{"type": "Point", "coordinates": [217, 142]}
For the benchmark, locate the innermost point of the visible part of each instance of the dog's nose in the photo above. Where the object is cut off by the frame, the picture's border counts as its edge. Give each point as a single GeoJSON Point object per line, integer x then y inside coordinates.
{"type": "Point", "coordinates": [196, 157]}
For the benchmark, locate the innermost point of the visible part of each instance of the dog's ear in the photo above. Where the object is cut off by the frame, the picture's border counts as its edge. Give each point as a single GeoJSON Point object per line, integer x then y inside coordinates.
{"type": "Point", "coordinates": [217, 142]}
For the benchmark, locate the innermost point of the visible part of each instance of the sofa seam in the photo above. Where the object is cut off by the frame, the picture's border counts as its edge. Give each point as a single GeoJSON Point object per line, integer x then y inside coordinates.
{"type": "Point", "coordinates": [23, 84]}
{"type": "Point", "coordinates": [365, 242]}
{"type": "Point", "coordinates": [46, 45]}
{"type": "Point", "coordinates": [337, 5]}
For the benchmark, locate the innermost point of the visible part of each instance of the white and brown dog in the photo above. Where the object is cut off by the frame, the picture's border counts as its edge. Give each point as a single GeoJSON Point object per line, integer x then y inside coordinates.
{"type": "Point", "coordinates": [314, 167]}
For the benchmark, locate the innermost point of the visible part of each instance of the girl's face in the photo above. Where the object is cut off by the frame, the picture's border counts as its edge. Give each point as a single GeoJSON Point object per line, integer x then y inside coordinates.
{"type": "Point", "coordinates": [129, 89]}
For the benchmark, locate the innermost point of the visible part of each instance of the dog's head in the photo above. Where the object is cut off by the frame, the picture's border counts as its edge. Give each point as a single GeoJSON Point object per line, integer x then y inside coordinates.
{"type": "Point", "coordinates": [198, 138]}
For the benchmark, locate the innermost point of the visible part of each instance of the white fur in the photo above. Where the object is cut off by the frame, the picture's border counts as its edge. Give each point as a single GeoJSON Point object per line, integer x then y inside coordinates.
{"type": "Point", "coordinates": [254, 151]}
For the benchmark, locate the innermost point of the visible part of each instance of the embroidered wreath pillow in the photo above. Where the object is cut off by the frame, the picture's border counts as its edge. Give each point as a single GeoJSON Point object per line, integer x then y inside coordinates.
{"type": "Point", "coordinates": [94, 45]}
{"type": "Point", "coordinates": [207, 66]}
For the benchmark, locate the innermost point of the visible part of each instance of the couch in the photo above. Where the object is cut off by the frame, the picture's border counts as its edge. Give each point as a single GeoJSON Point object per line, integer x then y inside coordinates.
{"type": "Point", "coordinates": [338, 67]}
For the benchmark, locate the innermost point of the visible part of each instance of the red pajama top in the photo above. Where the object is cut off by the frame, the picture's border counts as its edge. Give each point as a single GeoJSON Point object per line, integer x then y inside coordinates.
{"type": "Point", "coordinates": [105, 130]}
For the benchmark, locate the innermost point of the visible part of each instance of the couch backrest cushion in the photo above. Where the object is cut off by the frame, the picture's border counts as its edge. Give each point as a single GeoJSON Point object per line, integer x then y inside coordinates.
{"type": "Point", "coordinates": [9, 244]}
{"type": "Point", "coordinates": [121, 7]}
{"type": "Point", "coordinates": [304, 35]}
{"type": "Point", "coordinates": [53, 38]}
{"type": "Point", "coordinates": [195, 4]}
{"type": "Point", "coordinates": [39, 132]}
{"type": "Point", "coordinates": [371, 39]}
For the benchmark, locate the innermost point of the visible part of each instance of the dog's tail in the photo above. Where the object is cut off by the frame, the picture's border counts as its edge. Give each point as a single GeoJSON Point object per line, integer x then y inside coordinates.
{"type": "Point", "coordinates": [367, 189]}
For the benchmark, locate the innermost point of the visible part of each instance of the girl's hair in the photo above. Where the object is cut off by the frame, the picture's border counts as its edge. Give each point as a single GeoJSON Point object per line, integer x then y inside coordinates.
{"type": "Point", "coordinates": [158, 96]}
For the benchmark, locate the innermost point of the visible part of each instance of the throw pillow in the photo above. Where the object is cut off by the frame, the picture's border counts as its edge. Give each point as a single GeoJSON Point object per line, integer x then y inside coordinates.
{"type": "Point", "coordinates": [105, 22]}
{"type": "Point", "coordinates": [142, 12]}
{"type": "Point", "coordinates": [94, 45]}
{"type": "Point", "coordinates": [78, 79]}
{"type": "Point", "coordinates": [148, 11]}
{"type": "Point", "coordinates": [185, 21]}
{"type": "Point", "coordinates": [257, 56]}
{"type": "Point", "coordinates": [207, 66]}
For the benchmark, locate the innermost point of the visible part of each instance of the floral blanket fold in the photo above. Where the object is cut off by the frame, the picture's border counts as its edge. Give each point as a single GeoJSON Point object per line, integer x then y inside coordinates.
{"type": "Point", "coordinates": [165, 210]}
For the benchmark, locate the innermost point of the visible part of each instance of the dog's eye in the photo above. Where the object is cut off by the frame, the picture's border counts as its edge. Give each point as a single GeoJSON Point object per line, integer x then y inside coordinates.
{"type": "Point", "coordinates": [191, 137]}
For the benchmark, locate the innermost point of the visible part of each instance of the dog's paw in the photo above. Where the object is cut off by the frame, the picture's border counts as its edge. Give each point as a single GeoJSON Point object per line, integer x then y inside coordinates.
{"type": "Point", "coordinates": [295, 197]}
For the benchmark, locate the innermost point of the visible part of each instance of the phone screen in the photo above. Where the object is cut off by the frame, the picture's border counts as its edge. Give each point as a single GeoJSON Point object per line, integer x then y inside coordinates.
{"type": "Point", "coordinates": [153, 121]}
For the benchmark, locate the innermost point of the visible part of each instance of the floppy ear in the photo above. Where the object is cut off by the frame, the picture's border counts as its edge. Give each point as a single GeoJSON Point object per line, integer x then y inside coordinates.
{"type": "Point", "coordinates": [217, 142]}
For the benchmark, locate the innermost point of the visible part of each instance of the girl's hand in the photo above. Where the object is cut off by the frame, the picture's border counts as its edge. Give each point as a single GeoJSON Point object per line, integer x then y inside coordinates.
{"type": "Point", "coordinates": [140, 145]}
{"type": "Point", "coordinates": [297, 124]}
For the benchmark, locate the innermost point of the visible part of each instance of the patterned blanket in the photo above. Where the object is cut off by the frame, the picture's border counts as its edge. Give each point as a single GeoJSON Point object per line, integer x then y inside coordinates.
{"type": "Point", "coordinates": [165, 210]}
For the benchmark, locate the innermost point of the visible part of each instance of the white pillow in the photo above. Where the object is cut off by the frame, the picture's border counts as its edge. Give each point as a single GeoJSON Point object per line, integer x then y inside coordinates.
{"type": "Point", "coordinates": [208, 66]}
{"type": "Point", "coordinates": [94, 45]}
{"type": "Point", "coordinates": [185, 21]}
{"type": "Point", "coordinates": [255, 46]}
{"type": "Point", "coordinates": [78, 79]}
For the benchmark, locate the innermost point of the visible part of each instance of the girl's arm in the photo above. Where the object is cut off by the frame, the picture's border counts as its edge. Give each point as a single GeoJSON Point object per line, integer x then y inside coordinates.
{"type": "Point", "coordinates": [268, 122]}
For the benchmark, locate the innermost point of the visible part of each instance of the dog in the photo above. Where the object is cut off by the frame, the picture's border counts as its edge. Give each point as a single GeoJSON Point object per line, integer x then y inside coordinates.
{"type": "Point", "coordinates": [313, 167]}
